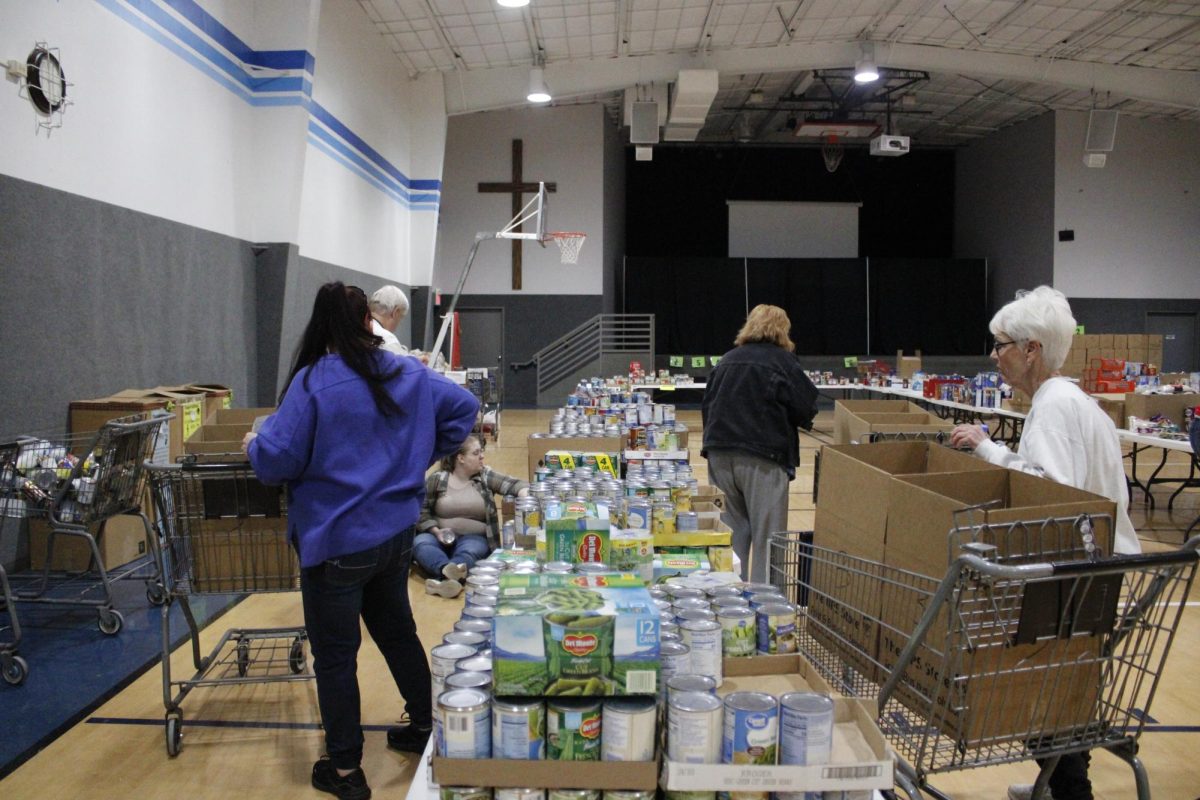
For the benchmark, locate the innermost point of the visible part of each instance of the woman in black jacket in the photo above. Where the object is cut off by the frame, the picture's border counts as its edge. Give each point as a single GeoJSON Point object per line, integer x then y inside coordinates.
{"type": "Point", "coordinates": [756, 399]}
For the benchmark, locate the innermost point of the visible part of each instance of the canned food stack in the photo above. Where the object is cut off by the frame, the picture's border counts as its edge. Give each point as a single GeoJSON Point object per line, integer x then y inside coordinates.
{"type": "Point", "coordinates": [472, 723]}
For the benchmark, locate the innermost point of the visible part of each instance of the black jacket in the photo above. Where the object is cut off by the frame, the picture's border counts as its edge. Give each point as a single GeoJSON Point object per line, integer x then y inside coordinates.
{"type": "Point", "coordinates": [755, 400]}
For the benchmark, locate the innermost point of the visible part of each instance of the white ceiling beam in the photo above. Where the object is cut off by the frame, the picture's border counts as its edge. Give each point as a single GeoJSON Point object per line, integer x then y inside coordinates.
{"type": "Point", "coordinates": [481, 90]}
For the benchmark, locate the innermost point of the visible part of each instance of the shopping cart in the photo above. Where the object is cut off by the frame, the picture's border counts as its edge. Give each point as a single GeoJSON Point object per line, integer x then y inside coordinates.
{"type": "Point", "coordinates": [72, 486]}
{"type": "Point", "coordinates": [482, 384]}
{"type": "Point", "coordinates": [1011, 657]}
{"type": "Point", "coordinates": [224, 532]}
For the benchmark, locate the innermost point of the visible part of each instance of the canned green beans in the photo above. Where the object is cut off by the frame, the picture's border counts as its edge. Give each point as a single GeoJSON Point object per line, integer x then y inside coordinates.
{"type": "Point", "coordinates": [776, 628]}
{"type": "Point", "coordinates": [573, 794]}
{"type": "Point", "coordinates": [739, 631]}
{"type": "Point", "coordinates": [520, 794]}
{"type": "Point", "coordinates": [464, 793]}
{"type": "Point", "coordinates": [463, 724]}
{"type": "Point", "coordinates": [694, 723]}
{"type": "Point", "coordinates": [518, 728]}
{"type": "Point", "coordinates": [751, 728]}
{"type": "Point", "coordinates": [573, 730]}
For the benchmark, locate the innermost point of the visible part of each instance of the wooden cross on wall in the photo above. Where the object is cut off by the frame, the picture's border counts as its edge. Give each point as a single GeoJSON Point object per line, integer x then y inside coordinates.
{"type": "Point", "coordinates": [518, 190]}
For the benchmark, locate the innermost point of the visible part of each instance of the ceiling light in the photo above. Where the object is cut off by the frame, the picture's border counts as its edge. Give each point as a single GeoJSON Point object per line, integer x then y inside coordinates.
{"type": "Point", "coordinates": [513, 3]}
{"type": "Point", "coordinates": [865, 70]}
{"type": "Point", "coordinates": [538, 93]}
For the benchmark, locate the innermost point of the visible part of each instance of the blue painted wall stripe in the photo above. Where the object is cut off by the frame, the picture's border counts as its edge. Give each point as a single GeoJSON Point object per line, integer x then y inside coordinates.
{"type": "Point", "coordinates": [212, 27]}
{"type": "Point", "coordinates": [279, 91]}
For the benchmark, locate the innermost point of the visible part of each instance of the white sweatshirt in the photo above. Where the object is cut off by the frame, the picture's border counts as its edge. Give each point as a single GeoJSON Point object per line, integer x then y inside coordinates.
{"type": "Point", "coordinates": [390, 342]}
{"type": "Point", "coordinates": [1067, 438]}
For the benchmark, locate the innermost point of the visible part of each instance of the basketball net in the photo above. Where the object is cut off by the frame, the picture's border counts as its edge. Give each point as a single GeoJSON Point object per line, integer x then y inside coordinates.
{"type": "Point", "coordinates": [569, 244]}
{"type": "Point", "coordinates": [832, 151]}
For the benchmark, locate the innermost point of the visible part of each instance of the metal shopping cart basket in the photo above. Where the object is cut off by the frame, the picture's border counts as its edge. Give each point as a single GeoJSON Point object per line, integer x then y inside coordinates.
{"type": "Point", "coordinates": [72, 485]}
{"type": "Point", "coordinates": [1006, 658]}
{"type": "Point", "coordinates": [224, 531]}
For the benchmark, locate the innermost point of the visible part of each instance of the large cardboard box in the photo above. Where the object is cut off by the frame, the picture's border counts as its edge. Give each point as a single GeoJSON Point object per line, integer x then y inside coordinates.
{"type": "Point", "coordinates": [88, 416]}
{"type": "Point", "coordinates": [123, 540]}
{"type": "Point", "coordinates": [922, 511]}
{"type": "Point", "coordinates": [1171, 406]}
{"type": "Point", "coordinates": [539, 446]}
{"type": "Point", "coordinates": [242, 543]}
{"type": "Point", "coordinates": [214, 440]}
{"type": "Point", "coordinates": [241, 416]}
{"type": "Point", "coordinates": [852, 518]}
{"type": "Point", "coordinates": [844, 409]}
{"type": "Point", "coordinates": [1114, 406]}
{"type": "Point", "coordinates": [907, 366]}
{"type": "Point", "coordinates": [860, 427]}
{"type": "Point", "coordinates": [217, 397]}
{"type": "Point", "coordinates": [188, 409]}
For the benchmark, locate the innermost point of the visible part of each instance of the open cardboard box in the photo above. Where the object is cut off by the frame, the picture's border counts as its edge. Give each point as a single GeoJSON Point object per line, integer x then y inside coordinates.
{"type": "Point", "coordinates": [844, 409]}
{"type": "Point", "coordinates": [859, 427]}
{"type": "Point", "coordinates": [123, 539]}
{"type": "Point", "coordinates": [861, 759]}
{"type": "Point", "coordinates": [711, 532]}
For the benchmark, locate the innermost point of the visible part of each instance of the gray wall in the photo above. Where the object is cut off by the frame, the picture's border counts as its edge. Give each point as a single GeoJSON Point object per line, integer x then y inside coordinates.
{"type": "Point", "coordinates": [95, 298]}
{"type": "Point", "coordinates": [1004, 206]}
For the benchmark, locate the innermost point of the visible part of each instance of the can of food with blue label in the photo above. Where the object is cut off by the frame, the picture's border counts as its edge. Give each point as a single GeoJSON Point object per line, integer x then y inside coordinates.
{"type": "Point", "coordinates": [759, 599]}
{"type": "Point", "coordinates": [518, 728]}
{"type": "Point", "coordinates": [805, 734]}
{"type": "Point", "coordinates": [541, 473]}
{"type": "Point", "coordinates": [777, 628]}
{"type": "Point", "coordinates": [757, 588]}
{"type": "Point", "coordinates": [463, 724]}
{"type": "Point", "coordinates": [686, 521]}
{"type": "Point", "coordinates": [637, 514]}
{"type": "Point", "coordinates": [628, 725]}
{"type": "Point", "coordinates": [751, 728]}
{"type": "Point", "coordinates": [739, 631]}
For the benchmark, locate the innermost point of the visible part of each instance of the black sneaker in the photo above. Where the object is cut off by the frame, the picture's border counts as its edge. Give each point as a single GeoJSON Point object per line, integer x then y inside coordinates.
{"type": "Point", "coordinates": [347, 787]}
{"type": "Point", "coordinates": [408, 738]}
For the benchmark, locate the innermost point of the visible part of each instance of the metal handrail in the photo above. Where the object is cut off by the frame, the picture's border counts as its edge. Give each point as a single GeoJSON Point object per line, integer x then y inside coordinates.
{"type": "Point", "coordinates": [601, 335]}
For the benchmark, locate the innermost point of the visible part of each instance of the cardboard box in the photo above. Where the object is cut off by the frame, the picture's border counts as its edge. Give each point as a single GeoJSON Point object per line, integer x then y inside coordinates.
{"type": "Point", "coordinates": [596, 633]}
{"type": "Point", "coordinates": [1136, 339]}
{"type": "Point", "coordinates": [1104, 341]}
{"type": "Point", "coordinates": [1113, 405]}
{"type": "Point", "coordinates": [907, 366]}
{"type": "Point", "coordinates": [505, 773]}
{"type": "Point", "coordinates": [1091, 340]}
{"type": "Point", "coordinates": [844, 409]}
{"type": "Point", "coordinates": [711, 532]}
{"type": "Point", "coordinates": [241, 416]}
{"type": "Point", "coordinates": [861, 757]}
{"type": "Point", "coordinates": [1120, 341]}
{"type": "Point", "coordinates": [1171, 406]}
{"type": "Point", "coordinates": [87, 416]}
{"type": "Point", "coordinates": [216, 397]}
{"type": "Point", "coordinates": [539, 446]}
{"type": "Point", "coordinates": [242, 554]}
{"type": "Point", "coordinates": [852, 518]}
{"type": "Point", "coordinates": [860, 427]}
{"type": "Point", "coordinates": [122, 541]}
{"type": "Point", "coordinates": [187, 408]}
{"type": "Point", "coordinates": [214, 440]}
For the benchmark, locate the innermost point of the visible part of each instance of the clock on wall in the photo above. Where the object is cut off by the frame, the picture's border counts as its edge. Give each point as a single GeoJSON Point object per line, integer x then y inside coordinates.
{"type": "Point", "coordinates": [45, 81]}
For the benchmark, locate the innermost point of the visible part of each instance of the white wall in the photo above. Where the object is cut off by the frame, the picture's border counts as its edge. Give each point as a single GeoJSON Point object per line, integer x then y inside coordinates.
{"type": "Point", "coordinates": [1137, 219]}
{"type": "Point", "coordinates": [564, 145]}
{"type": "Point", "coordinates": [1004, 206]}
{"type": "Point", "coordinates": [156, 125]}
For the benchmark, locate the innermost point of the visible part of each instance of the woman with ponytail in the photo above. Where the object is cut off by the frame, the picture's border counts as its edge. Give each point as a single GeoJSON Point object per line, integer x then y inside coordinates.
{"type": "Point", "coordinates": [356, 430]}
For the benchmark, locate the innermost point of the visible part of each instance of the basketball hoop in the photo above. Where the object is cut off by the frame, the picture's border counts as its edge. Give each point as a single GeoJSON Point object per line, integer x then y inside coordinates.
{"type": "Point", "coordinates": [832, 151]}
{"type": "Point", "coordinates": [569, 243]}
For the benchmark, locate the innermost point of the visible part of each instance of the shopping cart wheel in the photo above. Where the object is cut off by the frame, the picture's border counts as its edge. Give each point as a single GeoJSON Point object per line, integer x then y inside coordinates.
{"type": "Point", "coordinates": [110, 621]}
{"type": "Point", "coordinates": [243, 658]}
{"type": "Point", "coordinates": [156, 594]}
{"type": "Point", "coordinates": [15, 669]}
{"type": "Point", "coordinates": [174, 733]}
{"type": "Point", "coordinates": [296, 660]}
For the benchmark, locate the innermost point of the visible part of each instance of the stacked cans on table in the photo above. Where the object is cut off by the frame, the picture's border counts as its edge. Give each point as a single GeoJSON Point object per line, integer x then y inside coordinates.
{"type": "Point", "coordinates": [470, 723]}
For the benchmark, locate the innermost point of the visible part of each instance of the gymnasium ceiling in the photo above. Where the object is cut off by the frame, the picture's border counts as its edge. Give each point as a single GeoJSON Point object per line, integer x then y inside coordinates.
{"type": "Point", "coordinates": [952, 70]}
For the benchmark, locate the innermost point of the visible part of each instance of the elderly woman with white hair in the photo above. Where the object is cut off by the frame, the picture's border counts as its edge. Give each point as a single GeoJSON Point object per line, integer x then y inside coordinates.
{"type": "Point", "coordinates": [389, 305]}
{"type": "Point", "coordinates": [1066, 438]}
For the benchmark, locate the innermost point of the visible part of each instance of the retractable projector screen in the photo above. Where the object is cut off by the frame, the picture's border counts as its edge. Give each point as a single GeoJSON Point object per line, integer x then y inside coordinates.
{"type": "Point", "coordinates": [759, 229]}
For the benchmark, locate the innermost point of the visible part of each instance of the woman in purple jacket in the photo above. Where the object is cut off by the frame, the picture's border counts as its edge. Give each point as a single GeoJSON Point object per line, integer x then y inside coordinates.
{"type": "Point", "coordinates": [356, 430]}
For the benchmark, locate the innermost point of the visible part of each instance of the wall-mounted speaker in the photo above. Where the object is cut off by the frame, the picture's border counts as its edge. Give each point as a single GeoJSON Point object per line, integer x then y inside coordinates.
{"type": "Point", "coordinates": [1101, 131]}
{"type": "Point", "coordinates": [643, 125]}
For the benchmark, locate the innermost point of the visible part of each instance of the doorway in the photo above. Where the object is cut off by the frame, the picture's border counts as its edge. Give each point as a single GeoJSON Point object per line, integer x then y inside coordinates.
{"type": "Point", "coordinates": [481, 334]}
{"type": "Point", "coordinates": [1178, 329]}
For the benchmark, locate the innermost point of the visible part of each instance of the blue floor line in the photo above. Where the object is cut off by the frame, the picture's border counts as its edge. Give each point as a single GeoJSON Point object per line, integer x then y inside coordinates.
{"type": "Point", "coordinates": [74, 668]}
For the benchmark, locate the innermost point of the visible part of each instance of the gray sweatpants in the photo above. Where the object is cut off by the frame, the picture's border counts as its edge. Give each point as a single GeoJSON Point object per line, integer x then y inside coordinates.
{"type": "Point", "coordinates": [756, 504]}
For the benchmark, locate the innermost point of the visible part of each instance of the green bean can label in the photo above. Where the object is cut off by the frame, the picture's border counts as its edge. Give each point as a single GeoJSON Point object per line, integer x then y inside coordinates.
{"type": "Point", "coordinates": [739, 632]}
{"type": "Point", "coordinates": [575, 635]}
{"type": "Point", "coordinates": [464, 793]}
{"type": "Point", "coordinates": [573, 731]}
{"type": "Point", "coordinates": [776, 628]}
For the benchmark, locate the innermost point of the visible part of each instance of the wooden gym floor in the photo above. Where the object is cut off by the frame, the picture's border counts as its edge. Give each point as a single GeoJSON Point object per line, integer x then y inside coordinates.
{"type": "Point", "coordinates": [259, 741]}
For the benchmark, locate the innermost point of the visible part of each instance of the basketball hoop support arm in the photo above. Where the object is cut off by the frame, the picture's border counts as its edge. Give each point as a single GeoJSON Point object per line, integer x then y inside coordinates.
{"type": "Point", "coordinates": [533, 210]}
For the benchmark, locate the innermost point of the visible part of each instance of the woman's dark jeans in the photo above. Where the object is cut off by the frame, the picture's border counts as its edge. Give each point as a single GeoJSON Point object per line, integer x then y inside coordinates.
{"type": "Point", "coordinates": [371, 584]}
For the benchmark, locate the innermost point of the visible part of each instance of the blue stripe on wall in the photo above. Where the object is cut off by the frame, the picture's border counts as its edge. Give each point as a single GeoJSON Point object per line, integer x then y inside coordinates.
{"type": "Point", "coordinates": [274, 59]}
{"type": "Point", "coordinates": [216, 65]}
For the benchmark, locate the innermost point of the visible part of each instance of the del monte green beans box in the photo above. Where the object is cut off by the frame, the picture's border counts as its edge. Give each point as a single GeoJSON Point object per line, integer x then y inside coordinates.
{"type": "Point", "coordinates": [576, 540]}
{"type": "Point", "coordinates": [574, 635]}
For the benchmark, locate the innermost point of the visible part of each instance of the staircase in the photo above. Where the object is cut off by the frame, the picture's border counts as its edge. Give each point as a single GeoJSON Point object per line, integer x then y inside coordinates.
{"type": "Point", "coordinates": [602, 346]}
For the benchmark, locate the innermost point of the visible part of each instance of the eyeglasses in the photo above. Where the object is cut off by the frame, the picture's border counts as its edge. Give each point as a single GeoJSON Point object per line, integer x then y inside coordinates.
{"type": "Point", "coordinates": [998, 345]}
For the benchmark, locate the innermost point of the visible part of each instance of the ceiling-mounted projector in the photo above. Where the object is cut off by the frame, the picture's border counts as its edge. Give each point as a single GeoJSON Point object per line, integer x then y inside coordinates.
{"type": "Point", "coordinates": [889, 145]}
